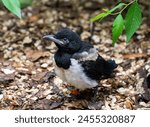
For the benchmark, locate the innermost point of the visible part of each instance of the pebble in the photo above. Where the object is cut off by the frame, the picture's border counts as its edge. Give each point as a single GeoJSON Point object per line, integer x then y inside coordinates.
{"type": "Point", "coordinates": [57, 81]}
{"type": "Point", "coordinates": [39, 69]}
{"type": "Point", "coordinates": [33, 72]}
{"type": "Point", "coordinates": [143, 104]}
{"type": "Point", "coordinates": [29, 96]}
{"type": "Point", "coordinates": [7, 71]}
{"type": "Point", "coordinates": [96, 38]}
{"type": "Point", "coordinates": [123, 90]}
{"type": "Point", "coordinates": [34, 98]}
{"type": "Point", "coordinates": [50, 62]}
{"type": "Point", "coordinates": [118, 60]}
{"type": "Point", "coordinates": [106, 107]}
{"type": "Point", "coordinates": [38, 86]}
{"type": "Point", "coordinates": [1, 96]}
{"type": "Point", "coordinates": [139, 37]}
{"type": "Point", "coordinates": [147, 67]}
{"type": "Point", "coordinates": [85, 35]}
{"type": "Point", "coordinates": [34, 91]}
{"type": "Point", "coordinates": [106, 85]}
{"type": "Point", "coordinates": [41, 21]}
{"type": "Point", "coordinates": [22, 69]}
{"type": "Point", "coordinates": [19, 93]}
{"type": "Point", "coordinates": [4, 28]}
{"type": "Point", "coordinates": [9, 97]}
{"type": "Point", "coordinates": [44, 65]}
{"type": "Point", "coordinates": [27, 40]}
{"type": "Point", "coordinates": [49, 97]}
{"type": "Point", "coordinates": [46, 92]}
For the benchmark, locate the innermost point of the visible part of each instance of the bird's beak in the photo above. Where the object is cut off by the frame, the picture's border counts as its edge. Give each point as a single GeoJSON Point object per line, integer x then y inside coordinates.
{"type": "Point", "coordinates": [52, 38]}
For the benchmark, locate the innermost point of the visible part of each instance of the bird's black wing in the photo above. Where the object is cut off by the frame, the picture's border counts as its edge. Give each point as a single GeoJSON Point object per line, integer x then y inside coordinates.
{"type": "Point", "coordinates": [93, 64]}
{"type": "Point", "coordinates": [99, 68]}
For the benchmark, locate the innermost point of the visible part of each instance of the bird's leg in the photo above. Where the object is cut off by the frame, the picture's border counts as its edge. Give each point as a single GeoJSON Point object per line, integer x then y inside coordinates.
{"type": "Point", "coordinates": [75, 92]}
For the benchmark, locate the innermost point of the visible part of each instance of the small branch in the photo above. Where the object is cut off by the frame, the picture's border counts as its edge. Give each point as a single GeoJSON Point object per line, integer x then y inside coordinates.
{"type": "Point", "coordinates": [123, 8]}
{"type": "Point", "coordinates": [92, 27]}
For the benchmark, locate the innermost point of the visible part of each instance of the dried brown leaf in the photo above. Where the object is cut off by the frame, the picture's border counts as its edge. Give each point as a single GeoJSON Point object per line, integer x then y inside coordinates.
{"type": "Point", "coordinates": [134, 55]}
{"type": "Point", "coordinates": [34, 55]}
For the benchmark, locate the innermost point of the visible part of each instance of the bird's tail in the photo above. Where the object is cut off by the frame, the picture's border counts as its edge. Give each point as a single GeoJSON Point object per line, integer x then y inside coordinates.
{"type": "Point", "coordinates": [112, 64]}
{"type": "Point", "coordinates": [109, 67]}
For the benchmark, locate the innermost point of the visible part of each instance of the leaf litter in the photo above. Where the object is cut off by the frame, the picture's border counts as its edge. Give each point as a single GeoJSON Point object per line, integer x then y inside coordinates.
{"type": "Point", "coordinates": [27, 78]}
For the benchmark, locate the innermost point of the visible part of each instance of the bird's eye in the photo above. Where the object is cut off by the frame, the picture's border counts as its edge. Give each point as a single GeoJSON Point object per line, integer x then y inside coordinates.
{"type": "Point", "coordinates": [65, 40]}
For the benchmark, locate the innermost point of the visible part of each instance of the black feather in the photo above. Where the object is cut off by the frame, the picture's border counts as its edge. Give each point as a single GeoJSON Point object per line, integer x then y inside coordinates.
{"type": "Point", "coordinates": [85, 47]}
{"type": "Point", "coordinates": [62, 59]}
{"type": "Point", "coordinates": [148, 81]}
{"type": "Point", "coordinates": [73, 38]}
{"type": "Point", "coordinates": [99, 68]}
{"type": "Point", "coordinates": [112, 64]}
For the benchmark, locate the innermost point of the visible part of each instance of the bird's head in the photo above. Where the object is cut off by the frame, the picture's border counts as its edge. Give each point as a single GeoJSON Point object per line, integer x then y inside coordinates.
{"type": "Point", "coordinates": [66, 40]}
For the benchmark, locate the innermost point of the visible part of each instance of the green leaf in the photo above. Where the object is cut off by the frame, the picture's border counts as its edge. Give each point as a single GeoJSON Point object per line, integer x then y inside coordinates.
{"type": "Point", "coordinates": [133, 20]}
{"type": "Point", "coordinates": [99, 16]}
{"type": "Point", "coordinates": [13, 6]}
{"type": "Point", "coordinates": [25, 3]}
{"type": "Point", "coordinates": [106, 13]}
{"type": "Point", "coordinates": [116, 7]}
{"type": "Point", "coordinates": [118, 26]}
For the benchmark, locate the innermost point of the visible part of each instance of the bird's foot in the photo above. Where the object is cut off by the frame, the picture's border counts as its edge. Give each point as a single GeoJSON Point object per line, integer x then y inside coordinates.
{"type": "Point", "coordinates": [75, 92]}
{"type": "Point", "coordinates": [88, 94]}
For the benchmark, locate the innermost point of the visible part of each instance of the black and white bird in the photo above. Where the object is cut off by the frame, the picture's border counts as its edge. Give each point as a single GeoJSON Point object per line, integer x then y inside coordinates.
{"type": "Point", "coordinates": [78, 63]}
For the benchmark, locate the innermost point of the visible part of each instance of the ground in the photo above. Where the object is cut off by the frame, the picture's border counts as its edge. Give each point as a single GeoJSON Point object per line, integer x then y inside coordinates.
{"type": "Point", "coordinates": [27, 78]}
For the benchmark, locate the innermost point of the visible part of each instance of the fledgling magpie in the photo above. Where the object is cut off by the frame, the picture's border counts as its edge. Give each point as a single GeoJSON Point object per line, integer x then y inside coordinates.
{"type": "Point", "coordinates": [78, 63]}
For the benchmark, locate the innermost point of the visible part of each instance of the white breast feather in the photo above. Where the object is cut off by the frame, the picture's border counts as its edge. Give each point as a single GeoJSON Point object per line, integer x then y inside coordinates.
{"type": "Point", "coordinates": [75, 76]}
